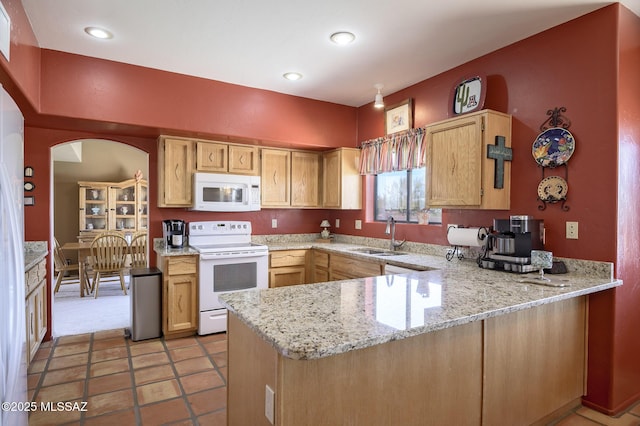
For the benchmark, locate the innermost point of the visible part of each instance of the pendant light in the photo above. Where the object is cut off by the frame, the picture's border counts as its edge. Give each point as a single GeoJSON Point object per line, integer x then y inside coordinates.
{"type": "Point", "coordinates": [378, 101]}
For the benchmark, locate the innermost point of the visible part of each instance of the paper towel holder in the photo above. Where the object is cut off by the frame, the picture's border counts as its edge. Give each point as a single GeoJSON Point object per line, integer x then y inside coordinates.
{"type": "Point", "coordinates": [455, 250]}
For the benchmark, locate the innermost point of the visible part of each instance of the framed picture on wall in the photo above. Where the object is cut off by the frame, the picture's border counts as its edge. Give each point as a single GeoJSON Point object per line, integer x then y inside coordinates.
{"type": "Point", "coordinates": [398, 117]}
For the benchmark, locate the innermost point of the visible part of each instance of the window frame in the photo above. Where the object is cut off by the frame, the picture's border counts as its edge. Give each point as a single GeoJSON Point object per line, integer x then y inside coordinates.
{"type": "Point", "coordinates": [408, 189]}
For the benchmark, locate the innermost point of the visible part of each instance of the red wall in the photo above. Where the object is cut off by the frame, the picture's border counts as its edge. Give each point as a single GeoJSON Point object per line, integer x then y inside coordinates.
{"type": "Point", "coordinates": [574, 65]}
{"type": "Point", "coordinates": [158, 102]}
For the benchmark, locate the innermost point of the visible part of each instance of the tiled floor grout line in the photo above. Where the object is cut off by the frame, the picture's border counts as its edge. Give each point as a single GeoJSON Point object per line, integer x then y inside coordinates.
{"type": "Point", "coordinates": [183, 393]}
{"type": "Point", "coordinates": [213, 362]}
{"type": "Point", "coordinates": [132, 373]}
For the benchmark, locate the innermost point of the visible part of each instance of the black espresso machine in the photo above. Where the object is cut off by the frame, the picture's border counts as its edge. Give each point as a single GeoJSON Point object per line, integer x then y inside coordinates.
{"type": "Point", "coordinates": [509, 245]}
{"type": "Point", "coordinates": [174, 233]}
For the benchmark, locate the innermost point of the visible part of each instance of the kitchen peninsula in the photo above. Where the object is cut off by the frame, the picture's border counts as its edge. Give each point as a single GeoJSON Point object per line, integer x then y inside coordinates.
{"type": "Point", "coordinates": [454, 345]}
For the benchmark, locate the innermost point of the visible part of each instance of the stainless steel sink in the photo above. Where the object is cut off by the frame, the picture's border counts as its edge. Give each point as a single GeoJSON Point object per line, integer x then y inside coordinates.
{"type": "Point", "coordinates": [377, 252]}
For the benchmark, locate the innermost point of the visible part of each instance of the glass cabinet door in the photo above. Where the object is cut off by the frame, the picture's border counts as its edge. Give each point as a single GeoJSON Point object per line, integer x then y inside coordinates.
{"type": "Point", "coordinates": [123, 207]}
{"type": "Point", "coordinates": [93, 215]}
{"type": "Point", "coordinates": [143, 204]}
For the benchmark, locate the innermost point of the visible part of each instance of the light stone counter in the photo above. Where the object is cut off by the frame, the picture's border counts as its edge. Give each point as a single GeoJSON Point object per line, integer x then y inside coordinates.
{"type": "Point", "coordinates": [318, 320]}
{"type": "Point", "coordinates": [34, 252]}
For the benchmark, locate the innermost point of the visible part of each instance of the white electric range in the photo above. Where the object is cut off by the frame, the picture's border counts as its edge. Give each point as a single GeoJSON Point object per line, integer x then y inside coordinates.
{"type": "Point", "coordinates": [229, 262]}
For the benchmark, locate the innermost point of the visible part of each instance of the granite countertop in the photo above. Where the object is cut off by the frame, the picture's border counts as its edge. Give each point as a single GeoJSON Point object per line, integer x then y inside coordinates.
{"type": "Point", "coordinates": [162, 250]}
{"type": "Point", "coordinates": [34, 252]}
{"type": "Point", "coordinates": [318, 320]}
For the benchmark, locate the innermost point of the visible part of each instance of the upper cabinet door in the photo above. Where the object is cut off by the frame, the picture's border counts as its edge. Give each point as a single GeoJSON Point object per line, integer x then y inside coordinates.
{"type": "Point", "coordinates": [342, 183]}
{"type": "Point", "coordinates": [454, 168]}
{"type": "Point", "coordinates": [211, 157]}
{"type": "Point", "coordinates": [243, 160]}
{"type": "Point", "coordinates": [275, 182]}
{"type": "Point", "coordinates": [305, 179]}
{"type": "Point", "coordinates": [175, 171]}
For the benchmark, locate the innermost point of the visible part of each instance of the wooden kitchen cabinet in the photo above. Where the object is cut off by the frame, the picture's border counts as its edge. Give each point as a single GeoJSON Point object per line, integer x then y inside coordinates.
{"type": "Point", "coordinates": [176, 160]}
{"type": "Point", "coordinates": [346, 267]}
{"type": "Point", "coordinates": [291, 178]}
{"type": "Point", "coordinates": [287, 267]}
{"type": "Point", "coordinates": [179, 295]}
{"type": "Point", "coordinates": [319, 266]}
{"type": "Point", "coordinates": [342, 183]}
{"type": "Point", "coordinates": [243, 159]}
{"type": "Point", "coordinates": [275, 181]}
{"type": "Point", "coordinates": [220, 157]}
{"type": "Point", "coordinates": [212, 157]}
{"type": "Point", "coordinates": [459, 173]}
{"type": "Point", "coordinates": [36, 306]}
{"type": "Point", "coordinates": [306, 179]}
{"type": "Point", "coordinates": [120, 206]}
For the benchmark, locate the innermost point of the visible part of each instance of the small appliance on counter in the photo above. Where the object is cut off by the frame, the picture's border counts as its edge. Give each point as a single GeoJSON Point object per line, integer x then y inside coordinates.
{"type": "Point", "coordinates": [509, 245]}
{"type": "Point", "coordinates": [174, 233]}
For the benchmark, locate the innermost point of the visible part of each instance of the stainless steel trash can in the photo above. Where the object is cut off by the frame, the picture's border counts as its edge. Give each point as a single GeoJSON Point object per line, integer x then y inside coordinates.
{"type": "Point", "coordinates": [146, 303]}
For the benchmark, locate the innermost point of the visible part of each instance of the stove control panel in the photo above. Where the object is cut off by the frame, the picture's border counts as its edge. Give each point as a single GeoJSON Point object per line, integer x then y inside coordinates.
{"type": "Point", "coordinates": [220, 228]}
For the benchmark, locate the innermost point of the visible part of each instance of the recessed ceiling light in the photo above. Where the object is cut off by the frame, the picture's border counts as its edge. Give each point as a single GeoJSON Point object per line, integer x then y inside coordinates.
{"type": "Point", "coordinates": [342, 37]}
{"type": "Point", "coordinates": [293, 76]}
{"type": "Point", "coordinates": [98, 32]}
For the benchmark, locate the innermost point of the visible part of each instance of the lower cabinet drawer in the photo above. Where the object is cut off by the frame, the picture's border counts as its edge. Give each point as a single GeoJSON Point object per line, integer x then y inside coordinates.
{"type": "Point", "coordinates": [182, 265]}
{"type": "Point", "coordinates": [278, 259]}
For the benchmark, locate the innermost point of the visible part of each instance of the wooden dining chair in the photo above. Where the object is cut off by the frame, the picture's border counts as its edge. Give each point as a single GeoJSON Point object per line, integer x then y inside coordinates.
{"type": "Point", "coordinates": [108, 256]}
{"type": "Point", "coordinates": [61, 268]}
{"type": "Point", "coordinates": [138, 250]}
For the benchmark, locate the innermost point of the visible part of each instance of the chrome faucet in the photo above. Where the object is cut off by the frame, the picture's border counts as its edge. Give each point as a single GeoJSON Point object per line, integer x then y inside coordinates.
{"type": "Point", "coordinates": [391, 229]}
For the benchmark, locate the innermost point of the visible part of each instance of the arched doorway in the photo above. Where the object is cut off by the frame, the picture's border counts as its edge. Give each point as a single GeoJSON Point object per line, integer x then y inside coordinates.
{"type": "Point", "coordinates": [86, 160]}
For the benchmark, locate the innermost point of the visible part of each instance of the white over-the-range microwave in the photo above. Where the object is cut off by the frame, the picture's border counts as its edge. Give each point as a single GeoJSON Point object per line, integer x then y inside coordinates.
{"type": "Point", "coordinates": [216, 192]}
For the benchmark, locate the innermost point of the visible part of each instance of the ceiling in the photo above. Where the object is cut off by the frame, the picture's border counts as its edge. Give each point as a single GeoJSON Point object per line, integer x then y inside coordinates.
{"type": "Point", "coordinates": [254, 42]}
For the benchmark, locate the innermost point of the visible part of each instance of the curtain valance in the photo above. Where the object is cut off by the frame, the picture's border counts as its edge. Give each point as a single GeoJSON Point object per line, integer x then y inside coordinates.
{"type": "Point", "coordinates": [398, 151]}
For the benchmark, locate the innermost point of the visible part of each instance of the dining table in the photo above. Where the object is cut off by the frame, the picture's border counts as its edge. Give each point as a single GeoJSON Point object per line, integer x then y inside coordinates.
{"type": "Point", "coordinates": [84, 251]}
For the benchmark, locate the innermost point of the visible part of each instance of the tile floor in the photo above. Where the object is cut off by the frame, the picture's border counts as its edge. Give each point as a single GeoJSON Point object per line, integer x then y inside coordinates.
{"type": "Point", "coordinates": [151, 382]}
{"type": "Point", "coordinates": [154, 382]}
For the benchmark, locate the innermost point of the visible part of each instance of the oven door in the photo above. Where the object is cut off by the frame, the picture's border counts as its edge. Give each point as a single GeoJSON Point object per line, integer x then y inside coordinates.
{"type": "Point", "coordinates": [225, 273]}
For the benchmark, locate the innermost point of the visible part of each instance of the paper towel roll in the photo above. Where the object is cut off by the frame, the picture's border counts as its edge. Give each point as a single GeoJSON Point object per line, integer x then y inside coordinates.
{"type": "Point", "coordinates": [471, 237]}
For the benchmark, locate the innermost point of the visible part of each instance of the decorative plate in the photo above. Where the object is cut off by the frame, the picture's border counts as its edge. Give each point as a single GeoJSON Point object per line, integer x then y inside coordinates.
{"type": "Point", "coordinates": [468, 95]}
{"type": "Point", "coordinates": [553, 147]}
{"type": "Point", "coordinates": [552, 188]}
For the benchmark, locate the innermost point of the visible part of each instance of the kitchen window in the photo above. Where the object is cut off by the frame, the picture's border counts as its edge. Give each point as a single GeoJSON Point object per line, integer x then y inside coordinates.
{"type": "Point", "coordinates": [400, 194]}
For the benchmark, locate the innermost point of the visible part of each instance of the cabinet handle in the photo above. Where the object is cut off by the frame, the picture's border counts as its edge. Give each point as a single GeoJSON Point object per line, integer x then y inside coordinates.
{"type": "Point", "coordinates": [274, 178]}
{"type": "Point", "coordinates": [180, 303]}
{"type": "Point", "coordinates": [211, 157]}
{"type": "Point", "coordinates": [176, 171]}
{"type": "Point", "coordinates": [453, 168]}
{"type": "Point", "coordinates": [241, 159]}
{"type": "Point", "coordinates": [31, 324]}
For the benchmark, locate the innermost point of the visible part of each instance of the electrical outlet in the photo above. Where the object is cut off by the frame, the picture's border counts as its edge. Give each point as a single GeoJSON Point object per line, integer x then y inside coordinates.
{"type": "Point", "coordinates": [269, 406]}
{"type": "Point", "coordinates": [358, 224]}
{"type": "Point", "coordinates": [274, 223]}
{"type": "Point", "coordinates": [337, 223]}
{"type": "Point", "coordinates": [572, 230]}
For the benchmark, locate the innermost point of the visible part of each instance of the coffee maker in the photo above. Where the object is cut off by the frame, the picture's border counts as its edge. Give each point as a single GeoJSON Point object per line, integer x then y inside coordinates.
{"type": "Point", "coordinates": [174, 233]}
{"type": "Point", "coordinates": [509, 245]}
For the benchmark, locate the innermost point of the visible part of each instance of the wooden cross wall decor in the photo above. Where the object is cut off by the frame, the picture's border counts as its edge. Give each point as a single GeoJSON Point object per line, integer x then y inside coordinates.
{"type": "Point", "coordinates": [500, 153]}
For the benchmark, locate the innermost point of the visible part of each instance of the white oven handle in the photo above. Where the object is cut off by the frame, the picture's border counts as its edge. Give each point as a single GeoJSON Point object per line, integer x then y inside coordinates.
{"type": "Point", "coordinates": [230, 255]}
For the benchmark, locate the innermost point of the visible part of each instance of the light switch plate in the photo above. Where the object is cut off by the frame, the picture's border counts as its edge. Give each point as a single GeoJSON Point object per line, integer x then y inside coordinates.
{"type": "Point", "coordinates": [337, 223]}
{"type": "Point", "coordinates": [274, 223]}
{"type": "Point", "coordinates": [358, 224]}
